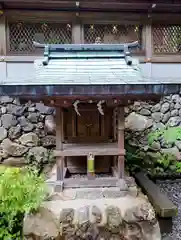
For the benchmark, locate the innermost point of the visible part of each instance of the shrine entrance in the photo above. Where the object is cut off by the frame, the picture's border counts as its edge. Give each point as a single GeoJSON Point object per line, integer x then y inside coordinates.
{"type": "Point", "coordinates": [89, 126]}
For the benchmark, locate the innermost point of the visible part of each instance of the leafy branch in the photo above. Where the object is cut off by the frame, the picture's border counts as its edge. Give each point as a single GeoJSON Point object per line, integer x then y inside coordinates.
{"type": "Point", "coordinates": [21, 191]}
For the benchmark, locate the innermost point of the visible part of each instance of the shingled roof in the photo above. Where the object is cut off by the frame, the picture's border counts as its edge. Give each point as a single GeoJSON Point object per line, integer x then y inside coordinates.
{"type": "Point", "coordinates": [88, 70]}
{"type": "Point", "coordinates": [95, 64]}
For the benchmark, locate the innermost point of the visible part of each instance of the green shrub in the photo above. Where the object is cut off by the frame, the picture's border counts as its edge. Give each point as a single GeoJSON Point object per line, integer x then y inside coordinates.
{"type": "Point", "coordinates": [164, 165]}
{"type": "Point", "coordinates": [153, 163]}
{"type": "Point", "coordinates": [21, 191]}
{"type": "Point", "coordinates": [169, 135]}
{"type": "Point", "coordinates": [134, 159]}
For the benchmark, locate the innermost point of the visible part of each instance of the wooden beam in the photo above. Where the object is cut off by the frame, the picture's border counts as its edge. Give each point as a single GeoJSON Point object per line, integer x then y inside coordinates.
{"type": "Point", "coordinates": [166, 58]}
{"type": "Point", "coordinates": [160, 58]}
{"type": "Point", "coordinates": [120, 141]}
{"type": "Point", "coordinates": [74, 125]}
{"type": "Point", "coordinates": [92, 17]}
{"type": "Point", "coordinates": [148, 42]}
{"type": "Point", "coordinates": [2, 35]}
{"type": "Point", "coordinates": [116, 18]}
{"type": "Point", "coordinates": [31, 59]}
{"type": "Point", "coordinates": [81, 170]}
{"type": "Point", "coordinates": [86, 183]}
{"type": "Point", "coordinates": [114, 125]}
{"type": "Point", "coordinates": [76, 33]}
{"type": "Point", "coordinates": [35, 16]}
{"type": "Point", "coordinates": [132, 18]}
{"type": "Point", "coordinates": [148, 48]}
{"type": "Point", "coordinates": [70, 16]}
{"type": "Point", "coordinates": [59, 143]}
{"type": "Point", "coordinates": [92, 5]}
{"type": "Point", "coordinates": [99, 149]}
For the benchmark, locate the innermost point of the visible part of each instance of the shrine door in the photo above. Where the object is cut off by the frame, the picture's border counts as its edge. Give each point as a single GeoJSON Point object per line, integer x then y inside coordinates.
{"type": "Point", "coordinates": [89, 128]}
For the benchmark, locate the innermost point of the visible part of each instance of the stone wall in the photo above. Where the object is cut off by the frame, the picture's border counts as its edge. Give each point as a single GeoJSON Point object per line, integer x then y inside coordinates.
{"type": "Point", "coordinates": [26, 129]}
{"type": "Point", "coordinates": [145, 117]}
{"type": "Point", "coordinates": [23, 131]}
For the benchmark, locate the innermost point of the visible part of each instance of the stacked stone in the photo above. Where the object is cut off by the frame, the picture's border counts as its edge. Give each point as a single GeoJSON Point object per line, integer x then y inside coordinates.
{"type": "Point", "coordinates": [25, 127]}
{"type": "Point", "coordinates": [145, 117]}
{"type": "Point", "coordinates": [23, 130]}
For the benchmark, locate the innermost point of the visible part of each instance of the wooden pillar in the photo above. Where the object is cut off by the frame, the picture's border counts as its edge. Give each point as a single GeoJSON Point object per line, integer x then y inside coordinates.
{"type": "Point", "coordinates": [120, 141]}
{"type": "Point", "coordinates": [3, 65]}
{"type": "Point", "coordinates": [114, 122]}
{"type": "Point", "coordinates": [59, 144]}
{"type": "Point", "coordinates": [148, 41]}
{"type": "Point", "coordinates": [3, 35]}
{"type": "Point", "coordinates": [148, 49]}
{"type": "Point", "coordinates": [77, 32]}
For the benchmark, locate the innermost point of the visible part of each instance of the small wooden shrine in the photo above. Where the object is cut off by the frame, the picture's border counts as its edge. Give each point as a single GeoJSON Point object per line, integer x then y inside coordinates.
{"type": "Point", "coordinates": [89, 108]}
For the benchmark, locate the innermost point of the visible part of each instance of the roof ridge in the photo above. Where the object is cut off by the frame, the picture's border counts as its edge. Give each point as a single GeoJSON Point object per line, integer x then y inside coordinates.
{"type": "Point", "coordinates": [51, 51]}
{"type": "Point", "coordinates": [87, 47]}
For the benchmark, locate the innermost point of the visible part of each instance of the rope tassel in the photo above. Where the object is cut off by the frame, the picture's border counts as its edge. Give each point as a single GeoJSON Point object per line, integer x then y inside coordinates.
{"type": "Point", "coordinates": [75, 104]}
{"type": "Point", "coordinates": [99, 107]}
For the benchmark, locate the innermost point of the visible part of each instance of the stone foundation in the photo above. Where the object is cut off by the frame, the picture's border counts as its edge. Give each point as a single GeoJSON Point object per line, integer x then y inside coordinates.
{"type": "Point", "coordinates": [97, 214]}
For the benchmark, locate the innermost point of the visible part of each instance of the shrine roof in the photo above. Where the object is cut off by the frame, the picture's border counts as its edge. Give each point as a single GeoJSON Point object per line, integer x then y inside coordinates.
{"type": "Point", "coordinates": [88, 64]}
{"type": "Point", "coordinates": [93, 70]}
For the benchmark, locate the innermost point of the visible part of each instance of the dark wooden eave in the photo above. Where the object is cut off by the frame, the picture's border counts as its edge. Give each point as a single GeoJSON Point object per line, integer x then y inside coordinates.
{"type": "Point", "coordinates": [141, 6]}
{"type": "Point", "coordinates": [142, 91]}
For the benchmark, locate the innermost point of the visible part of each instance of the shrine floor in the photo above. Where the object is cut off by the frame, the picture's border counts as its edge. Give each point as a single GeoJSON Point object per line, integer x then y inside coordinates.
{"type": "Point", "coordinates": [173, 191]}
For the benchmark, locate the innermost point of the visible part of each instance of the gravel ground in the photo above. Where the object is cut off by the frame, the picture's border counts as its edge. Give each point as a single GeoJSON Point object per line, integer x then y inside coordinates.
{"type": "Point", "coordinates": [173, 191]}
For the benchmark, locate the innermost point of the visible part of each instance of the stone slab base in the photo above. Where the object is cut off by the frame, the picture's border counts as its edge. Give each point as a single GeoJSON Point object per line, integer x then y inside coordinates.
{"type": "Point", "coordinates": [126, 217]}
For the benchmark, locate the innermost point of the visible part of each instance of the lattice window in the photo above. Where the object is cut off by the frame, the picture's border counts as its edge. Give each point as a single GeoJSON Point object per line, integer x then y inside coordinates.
{"type": "Point", "coordinates": [21, 35]}
{"type": "Point", "coordinates": [166, 38]}
{"type": "Point", "coordinates": [109, 33]}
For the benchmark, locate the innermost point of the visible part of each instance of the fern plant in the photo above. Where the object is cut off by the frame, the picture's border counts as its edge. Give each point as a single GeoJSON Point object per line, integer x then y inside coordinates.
{"type": "Point", "coordinates": [164, 165]}
{"type": "Point", "coordinates": [21, 191]}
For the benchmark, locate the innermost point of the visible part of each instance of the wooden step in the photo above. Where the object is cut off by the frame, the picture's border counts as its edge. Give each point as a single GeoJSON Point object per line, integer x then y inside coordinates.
{"type": "Point", "coordinates": [86, 183]}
